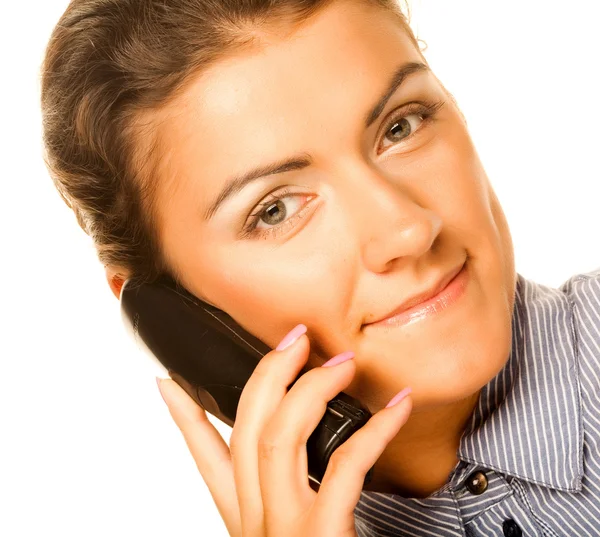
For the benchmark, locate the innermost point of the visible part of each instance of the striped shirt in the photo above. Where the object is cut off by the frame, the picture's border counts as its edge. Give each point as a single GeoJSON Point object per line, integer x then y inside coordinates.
{"type": "Point", "coordinates": [533, 439]}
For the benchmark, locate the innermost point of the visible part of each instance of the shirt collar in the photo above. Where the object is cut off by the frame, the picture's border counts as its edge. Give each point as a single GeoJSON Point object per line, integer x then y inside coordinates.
{"type": "Point", "coordinates": [528, 420]}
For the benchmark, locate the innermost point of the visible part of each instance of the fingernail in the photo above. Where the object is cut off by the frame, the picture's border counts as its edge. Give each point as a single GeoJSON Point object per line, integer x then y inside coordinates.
{"type": "Point", "coordinates": [291, 337]}
{"type": "Point", "coordinates": [339, 359]}
{"type": "Point", "coordinates": [398, 397]}
{"type": "Point", "coordinates": [159, 390]}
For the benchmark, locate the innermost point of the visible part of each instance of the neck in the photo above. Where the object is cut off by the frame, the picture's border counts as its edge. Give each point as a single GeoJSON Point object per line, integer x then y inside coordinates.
{"type": "Point", "coordinates": [418, 461]}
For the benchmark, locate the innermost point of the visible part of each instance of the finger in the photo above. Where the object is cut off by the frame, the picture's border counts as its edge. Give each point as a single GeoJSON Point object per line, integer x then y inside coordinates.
{"type": "Point", "coordinates": [210, 452]}
{"type": "Point", "coordinates": [282, 446]}
{"type": "Point", "coordinates": [344, 477]}
{"type": "Point", "coordinates": [260, 397]}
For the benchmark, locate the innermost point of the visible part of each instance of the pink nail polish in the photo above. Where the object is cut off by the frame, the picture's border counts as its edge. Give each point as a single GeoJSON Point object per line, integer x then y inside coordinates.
{"type": "Point", "coordinates": [291, 337]}
{"type": "Point", "coordinates": [339, 359]}
{"type": "Point", "coordinates": [158, 380]}
{"type": "Point", "coordinates": [398, 397]}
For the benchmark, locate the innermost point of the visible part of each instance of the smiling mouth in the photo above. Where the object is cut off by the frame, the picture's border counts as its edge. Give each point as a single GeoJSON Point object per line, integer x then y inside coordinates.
{"type": "Point", "coordinates": [438, 297]}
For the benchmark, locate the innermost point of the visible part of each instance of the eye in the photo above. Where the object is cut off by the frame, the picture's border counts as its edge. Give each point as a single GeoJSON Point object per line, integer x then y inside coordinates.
{"type": "Point", "coordinates": [404, 123]}
{"type": "Point", "coordinates": [277, 213]}
{"type": "Point", "coordinates": [278, 210]}
{"type": "Point", "coordinates": [401, 128]}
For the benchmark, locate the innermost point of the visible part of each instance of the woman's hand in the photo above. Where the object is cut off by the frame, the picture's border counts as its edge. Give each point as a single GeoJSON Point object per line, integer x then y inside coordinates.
{"type": "Point", "coordinates": [260, 483]}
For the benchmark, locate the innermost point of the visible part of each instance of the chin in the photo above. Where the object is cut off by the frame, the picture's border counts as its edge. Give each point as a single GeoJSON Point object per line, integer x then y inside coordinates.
{"type": "Point", "coordinates": [449, 366]}
{"type": "Point", "coordinates": [460, 369]}
{"type": "Point", "coordinates": [447, 357]}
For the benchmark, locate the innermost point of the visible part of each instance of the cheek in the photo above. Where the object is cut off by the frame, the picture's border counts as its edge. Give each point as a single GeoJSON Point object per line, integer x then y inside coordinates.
{"type": "Point", "coordinates": [269, 293]}
{"type": "Point", "coordinates": [448, 178]}
{"type": "Point", "coordinates": [464, 195]}
{"type": "Point", "coordinates": [460, 192]}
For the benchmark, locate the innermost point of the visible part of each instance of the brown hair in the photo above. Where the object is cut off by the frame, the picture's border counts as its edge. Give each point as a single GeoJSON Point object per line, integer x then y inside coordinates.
{"type": "Point", "coordinates": [107, 63]}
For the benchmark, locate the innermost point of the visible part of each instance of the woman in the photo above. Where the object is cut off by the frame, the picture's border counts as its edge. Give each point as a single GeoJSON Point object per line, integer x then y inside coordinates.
{"type": "Point", "coordinates": [298, 165]}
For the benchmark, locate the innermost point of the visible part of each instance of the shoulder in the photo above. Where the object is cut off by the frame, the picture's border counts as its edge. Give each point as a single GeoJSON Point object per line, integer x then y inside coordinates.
{"type": "Point", "coordinates": [584, 291]}
{"type": "Point", "coordinates": [580, 283]}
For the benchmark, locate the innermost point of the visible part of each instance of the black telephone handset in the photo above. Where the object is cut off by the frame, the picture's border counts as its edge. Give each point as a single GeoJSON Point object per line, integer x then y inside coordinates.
{"type": "Point", "coordinates": [212, 357]}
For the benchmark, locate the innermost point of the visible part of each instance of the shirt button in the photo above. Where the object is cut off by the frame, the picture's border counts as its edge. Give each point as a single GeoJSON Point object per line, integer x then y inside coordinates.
{"type": "Point", "coordinates": [511, 528]}
{"type": "Point", "coordinates": [477, 483]}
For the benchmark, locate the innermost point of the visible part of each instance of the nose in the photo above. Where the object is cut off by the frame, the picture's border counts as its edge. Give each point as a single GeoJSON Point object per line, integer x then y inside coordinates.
{"type": "Point", "coordinates": [391, 224]}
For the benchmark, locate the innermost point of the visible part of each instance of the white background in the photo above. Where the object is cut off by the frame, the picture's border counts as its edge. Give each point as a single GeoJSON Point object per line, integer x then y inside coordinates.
{"type": "Point", "coordinates": [87, 446]}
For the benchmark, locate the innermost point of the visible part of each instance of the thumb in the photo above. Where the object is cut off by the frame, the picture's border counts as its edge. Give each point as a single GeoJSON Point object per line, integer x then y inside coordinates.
{"type": "Point", "coordinates": [208, 448]}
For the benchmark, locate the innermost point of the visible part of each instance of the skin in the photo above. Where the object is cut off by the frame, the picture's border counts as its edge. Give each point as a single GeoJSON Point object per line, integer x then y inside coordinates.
{"type": "Point", "coordinates": [381, 218]}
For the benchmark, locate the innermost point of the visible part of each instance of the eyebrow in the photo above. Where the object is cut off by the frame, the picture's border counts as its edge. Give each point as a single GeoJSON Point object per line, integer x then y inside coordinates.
{"type": "Point", "coordinates": [298, 162]}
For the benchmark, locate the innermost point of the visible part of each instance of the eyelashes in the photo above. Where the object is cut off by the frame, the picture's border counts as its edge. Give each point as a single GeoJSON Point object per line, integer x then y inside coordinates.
{"type": "Point", "coordinates": [426, 110]}
{"type": "Point", "coordinates": [273, 206]}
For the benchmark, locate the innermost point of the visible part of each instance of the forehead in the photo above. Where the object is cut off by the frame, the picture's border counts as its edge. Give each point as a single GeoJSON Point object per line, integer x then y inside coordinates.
{"type": "Point", "coordinates": [260, 104]}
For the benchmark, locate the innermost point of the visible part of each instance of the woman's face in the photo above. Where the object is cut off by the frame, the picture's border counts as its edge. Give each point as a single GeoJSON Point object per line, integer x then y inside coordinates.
{"type": "Point", "coordinates": [376, 214]}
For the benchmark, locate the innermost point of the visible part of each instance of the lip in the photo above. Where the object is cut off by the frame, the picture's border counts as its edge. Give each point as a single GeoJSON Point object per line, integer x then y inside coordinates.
{"type": "Point", "coordinates": [450, 288]}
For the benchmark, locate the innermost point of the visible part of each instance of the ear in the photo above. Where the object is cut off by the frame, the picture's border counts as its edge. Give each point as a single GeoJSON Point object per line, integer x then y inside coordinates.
{"type": "Point", "coordinates": [116, 277]}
